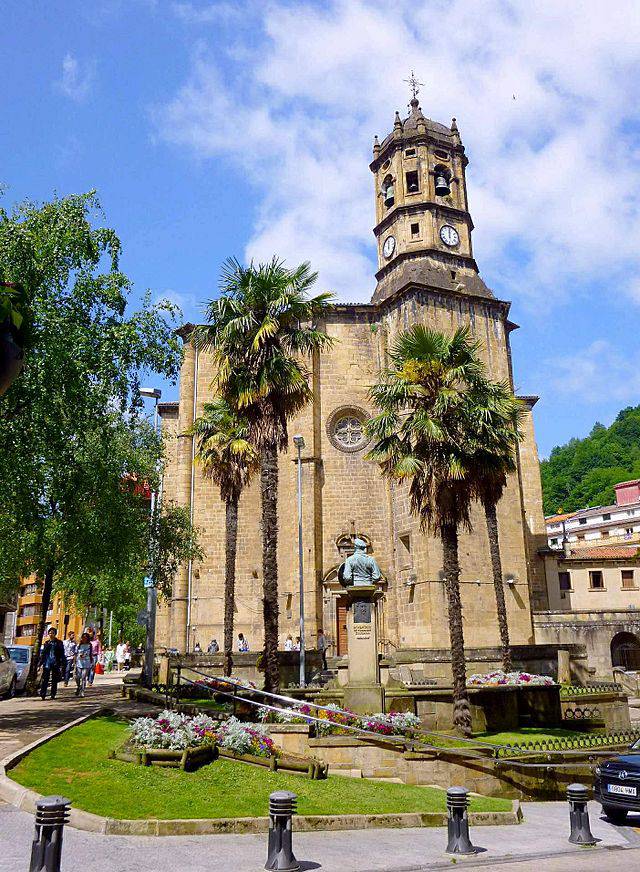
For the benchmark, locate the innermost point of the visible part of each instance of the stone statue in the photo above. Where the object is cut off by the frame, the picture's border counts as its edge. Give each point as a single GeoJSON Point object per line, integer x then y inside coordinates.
{"type": "Point", "coordinates": [360, 568]}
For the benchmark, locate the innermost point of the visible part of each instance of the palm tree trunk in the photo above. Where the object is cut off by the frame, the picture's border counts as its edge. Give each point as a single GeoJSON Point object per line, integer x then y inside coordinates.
{"type": "Point", "coordinates": [231, 547]}
{"type": "Point", "coordinates": [269, 496]}
{"type": "Point", "coordinates": [461, 709]}
{"type": "Point", "coordinates": [496, 565]}
{"type": "Point", "coordinates": [31, 685]}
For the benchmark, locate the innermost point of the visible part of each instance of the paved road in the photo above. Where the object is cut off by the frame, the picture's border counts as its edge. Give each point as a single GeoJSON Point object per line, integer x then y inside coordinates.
{"type": "Point", "coordinates": [528, 846]}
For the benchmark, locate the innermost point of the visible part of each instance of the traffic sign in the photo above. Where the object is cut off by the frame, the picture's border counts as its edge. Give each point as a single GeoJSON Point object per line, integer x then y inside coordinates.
{"type": "Point", "coordinates": [148, 582]}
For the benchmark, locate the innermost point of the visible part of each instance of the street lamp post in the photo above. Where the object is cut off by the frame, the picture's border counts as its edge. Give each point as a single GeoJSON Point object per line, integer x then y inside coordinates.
{"type": "Point", "coordinates": [298, 441]}
{"type": "Point", "coordinates": [152, 594]}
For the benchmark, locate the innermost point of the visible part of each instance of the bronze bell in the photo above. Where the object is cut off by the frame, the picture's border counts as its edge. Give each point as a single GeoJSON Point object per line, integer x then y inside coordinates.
{"type": "Point", "coordinates": [442, 185]}
{"type": "Point", "coordinates": [388, 196]}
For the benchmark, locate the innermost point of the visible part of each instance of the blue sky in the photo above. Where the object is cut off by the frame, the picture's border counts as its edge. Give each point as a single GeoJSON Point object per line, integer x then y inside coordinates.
{"type": "Point", "coordinates": [213, 128]}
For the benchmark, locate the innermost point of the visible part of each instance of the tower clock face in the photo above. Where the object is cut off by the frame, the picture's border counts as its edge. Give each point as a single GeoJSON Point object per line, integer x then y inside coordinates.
{"type": "Point", "coordinates": [449, 235]}
{"type": "Point", "coordinates": [389, 246]}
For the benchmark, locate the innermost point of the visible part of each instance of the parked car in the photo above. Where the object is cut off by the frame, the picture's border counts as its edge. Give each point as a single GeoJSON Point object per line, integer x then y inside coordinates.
{"type": "Point", "coordinates": [8, 674]}
{"type": "Point", "coordinates": [21, 656]}
{"type": "Point", "coordinates": [617, 784]}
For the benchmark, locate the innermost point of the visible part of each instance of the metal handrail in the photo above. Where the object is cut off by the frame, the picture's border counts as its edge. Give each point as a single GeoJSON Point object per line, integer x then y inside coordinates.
{"type": "Point", "coordinates": [289, 699]}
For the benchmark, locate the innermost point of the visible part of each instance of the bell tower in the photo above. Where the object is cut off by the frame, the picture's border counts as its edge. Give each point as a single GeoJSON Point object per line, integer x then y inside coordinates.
{"type": "Point", "coordinates": [423, 226]}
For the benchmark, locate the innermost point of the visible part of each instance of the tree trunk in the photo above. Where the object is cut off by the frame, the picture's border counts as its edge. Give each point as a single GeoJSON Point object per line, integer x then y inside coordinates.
{"type": "Point", "coordinates": [496, 565]}
{"type": "Point", "coordinates": [31, 685]}
{"type": "Point", "coordinates": [461, 709]}
{"type": "Point", "coordinates": [269, 495]}
{"type": "Point", "coordinates": [231, 546]}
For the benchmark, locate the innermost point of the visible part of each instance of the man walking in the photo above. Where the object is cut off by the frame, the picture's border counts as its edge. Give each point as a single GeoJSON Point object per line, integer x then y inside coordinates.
{"type": "Point", "coordinates": [70, 648]}
{"type": "Point", "coordinates": [322, 647]}
{"type": "Point", "coordinates": [53, 662]}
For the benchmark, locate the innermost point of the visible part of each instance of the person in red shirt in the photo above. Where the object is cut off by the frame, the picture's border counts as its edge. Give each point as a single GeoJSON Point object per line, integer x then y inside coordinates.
{"type": "Point", "coordinates": [96, 650]}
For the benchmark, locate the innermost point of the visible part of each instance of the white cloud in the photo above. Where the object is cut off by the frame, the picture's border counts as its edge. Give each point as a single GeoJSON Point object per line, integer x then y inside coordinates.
{"type": "Point", "coordinates": [596, 374]}
{"type": "Point", "coordinates": [77, 79]}
{"type": "Point", "coordinates": [553, 180]}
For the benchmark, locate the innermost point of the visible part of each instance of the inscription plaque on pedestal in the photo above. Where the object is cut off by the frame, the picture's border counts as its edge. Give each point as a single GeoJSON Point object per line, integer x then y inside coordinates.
{"type": "Point", "coordinates": [362, 612]}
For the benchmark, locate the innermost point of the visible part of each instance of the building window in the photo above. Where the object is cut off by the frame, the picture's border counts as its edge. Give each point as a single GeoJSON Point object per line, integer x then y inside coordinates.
{"type": "Point", "coordinates": [564, 580]}
{"type": "Point", "coordinates": [596, 581]}
{"type": "Point", "coordinates": [628, 582]}
{"type": "Point", "coordinates": [580, 537]}
{"type": "Point", "coordinates": [604, 534]}
{"type": "Point", "coordinates": [628, 531]}
{"type": "Point", "coordinates": [388, 192]}
{"type": "Point", "coordinates": [415, 230]}
{"type": "Point", "coordinates": [412, 182]}
{"type": "Point", "coordinates": [346, 428]}
{"type": "Point", "coordinates": [404, 550]}
{"type": "Point", "coordinates": [410, 152]}
{"type": "Point", "coordinates": [606, 516]}
{"type": "Point", "coordinates": [553, 541]}
{"type": "Point", "coordinates": [582, 521]}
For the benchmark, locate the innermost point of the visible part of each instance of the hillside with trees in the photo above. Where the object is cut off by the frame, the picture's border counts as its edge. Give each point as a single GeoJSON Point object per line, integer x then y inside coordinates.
{"type": "Point", "coordinates": [583, 472]}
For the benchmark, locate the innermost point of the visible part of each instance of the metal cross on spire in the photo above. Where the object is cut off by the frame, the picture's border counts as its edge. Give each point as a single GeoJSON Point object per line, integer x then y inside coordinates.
{"type": "Point", "coordinates": [414, 84]}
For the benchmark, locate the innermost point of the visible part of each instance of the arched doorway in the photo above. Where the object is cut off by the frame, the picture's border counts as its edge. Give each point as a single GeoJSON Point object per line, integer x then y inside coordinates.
{"type": "Point", "coordinates": [625, 651]}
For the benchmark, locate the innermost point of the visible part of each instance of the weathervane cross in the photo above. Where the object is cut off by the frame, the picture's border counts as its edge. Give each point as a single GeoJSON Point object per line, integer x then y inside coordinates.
{"type": "Point", "coordinates": [414, 84]}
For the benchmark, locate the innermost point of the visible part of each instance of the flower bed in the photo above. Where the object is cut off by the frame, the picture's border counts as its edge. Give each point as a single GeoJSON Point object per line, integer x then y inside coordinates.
{"type": "Point", "coordinates": [333, 720]}
{"type": "Point", "coordinates": [513, 679]}
{"type": "Point", "coordinates": [179, 740]}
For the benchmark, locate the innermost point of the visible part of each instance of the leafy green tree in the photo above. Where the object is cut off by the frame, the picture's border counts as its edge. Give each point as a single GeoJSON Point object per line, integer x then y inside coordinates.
{"type": "Point", "coordinates": [228, 457]}
{"type": "Point", "coordinates": [262, 330]}
{"type": "Point", "coordinates": [431, 400]}
{"type": "Point", "coordinates": [583, 472]}
{"type": "Point", "coordinates": [71, 434]}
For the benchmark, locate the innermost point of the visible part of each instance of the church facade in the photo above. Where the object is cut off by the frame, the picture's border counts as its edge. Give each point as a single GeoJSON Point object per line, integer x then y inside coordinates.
{"type": "Point", "coordinates": [426, 274]}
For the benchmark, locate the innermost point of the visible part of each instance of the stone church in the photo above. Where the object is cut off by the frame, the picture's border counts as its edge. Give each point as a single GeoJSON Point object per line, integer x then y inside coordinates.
{"type": "Point", "coordinates": [426, 274]}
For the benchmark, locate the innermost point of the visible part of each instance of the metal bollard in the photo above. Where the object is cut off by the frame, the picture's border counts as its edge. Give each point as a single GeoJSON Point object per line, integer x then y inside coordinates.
{"type": "Point", "coordinates": [52, 813]}
{"type": "Point", "coordinates": [282, 805]}
{"type": "Point", "coordinates": [458, 821]}
{"type": "Point", "coordinates": [581, 834]}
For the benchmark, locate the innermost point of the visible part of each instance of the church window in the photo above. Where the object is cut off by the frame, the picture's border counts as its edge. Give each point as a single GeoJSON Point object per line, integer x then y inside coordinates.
{"type": "Point", "coordinates": [404, 550]}
{"type": "Point", "coordinates": [415, 230]}
{"type": "Point", "coordinates": [564, 579]}
{"type": "Point", "coordinates": [412, 182]}
{"type": "Point", "coordinates": [346, 429]}
{"type": "Point", "coordinates": [443, 155]}
{"type": "Point", "coordinates": [410, 152]}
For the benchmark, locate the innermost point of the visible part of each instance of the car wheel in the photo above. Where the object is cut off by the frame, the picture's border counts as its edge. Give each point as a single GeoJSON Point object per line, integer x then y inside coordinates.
{"type": "Point", "coordinates": [615, 815]}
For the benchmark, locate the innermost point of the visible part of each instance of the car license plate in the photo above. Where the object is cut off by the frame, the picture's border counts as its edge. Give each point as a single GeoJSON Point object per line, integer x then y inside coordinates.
{"type": "Point", "coordinates": [622, 788]}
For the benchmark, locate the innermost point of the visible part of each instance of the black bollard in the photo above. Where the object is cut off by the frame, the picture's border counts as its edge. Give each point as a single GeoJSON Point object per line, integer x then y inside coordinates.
{"type": "Point", "coordinates": [581, 834]}
{"type": "Point", "coordinates": [282, 805]}
{"type": "Point", "coordinates": [52, 813]}
{"type": "Point", "coordinates": [458, 821]}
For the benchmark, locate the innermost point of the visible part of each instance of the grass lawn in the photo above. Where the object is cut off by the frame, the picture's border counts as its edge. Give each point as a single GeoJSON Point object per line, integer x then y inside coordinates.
{"type": "Point", "coordinates": [524, 734]}
{"type": "Point", "coordinates": [75, 764]}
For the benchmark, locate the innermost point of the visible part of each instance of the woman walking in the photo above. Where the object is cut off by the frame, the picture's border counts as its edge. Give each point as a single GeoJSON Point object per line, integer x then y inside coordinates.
{"type": "Point", "coordinates": [84, 663]}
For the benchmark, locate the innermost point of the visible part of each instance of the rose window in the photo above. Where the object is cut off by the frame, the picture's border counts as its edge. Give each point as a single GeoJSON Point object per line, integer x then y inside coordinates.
{"type": "Point", "coordinates": [349, 431]}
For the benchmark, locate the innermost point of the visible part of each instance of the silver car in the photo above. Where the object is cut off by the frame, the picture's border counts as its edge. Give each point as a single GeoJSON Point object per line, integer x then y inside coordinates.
{"type": "Point", "coordinates": [21, 656]}
{"type": "Point", "coordinates": [8, 674]}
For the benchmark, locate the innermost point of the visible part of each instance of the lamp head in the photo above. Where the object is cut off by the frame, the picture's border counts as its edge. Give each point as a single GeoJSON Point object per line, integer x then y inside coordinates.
{"type": "Point", "coordinates": [150, 393]}
{"type": "Point", "coordinates": [298, 441]}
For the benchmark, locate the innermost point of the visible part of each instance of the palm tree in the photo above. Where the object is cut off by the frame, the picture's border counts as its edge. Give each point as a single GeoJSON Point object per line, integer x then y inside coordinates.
{"type": "Point", "coordinates": [230, 460]}
{"type": "Point", "coordinates": [261, 331]}
{"type": "Point", "coordinates": [422, 435]}
{"type": "Point", "coordinates": [497, 433]}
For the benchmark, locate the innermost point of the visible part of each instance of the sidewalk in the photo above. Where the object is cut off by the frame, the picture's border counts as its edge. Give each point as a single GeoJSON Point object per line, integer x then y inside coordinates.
{"type": "Point", "coordinates": [25, 719]}
{"type": "Point", "coordinates": [540, 843]}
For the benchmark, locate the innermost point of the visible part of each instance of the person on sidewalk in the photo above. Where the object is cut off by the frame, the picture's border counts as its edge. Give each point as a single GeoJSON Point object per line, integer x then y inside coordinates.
{"type": "Point", "coordinates": [96, 651]}
{"type": "Point", "coordinates": [213, 647]}
{"type": "Point", "coordinates": [84, 663]}
{"type": "Point", "coordinates": [127, 656]}
{"type": "Point", "coordinates": [288, 645]}
{"type": "Point", "coordinates": [120, 652]}
{"type": "Point", "coordinates": [321, 645]}
{"type": "Point", "coordinates": [70, 647]}
{"type": "Point", "coordinates": [53, 664]}
{"type": "Point", "coordinates": [243, 645]}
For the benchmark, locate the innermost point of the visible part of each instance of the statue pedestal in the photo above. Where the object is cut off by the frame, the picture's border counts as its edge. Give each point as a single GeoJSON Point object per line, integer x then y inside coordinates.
{"type": "Point", "coordinates": [363, 692]}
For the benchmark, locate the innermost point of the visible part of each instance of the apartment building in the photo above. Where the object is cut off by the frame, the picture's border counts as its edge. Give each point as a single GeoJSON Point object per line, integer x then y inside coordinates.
{"type": "Point", "coordinates": [29, 610]}
{"type": "Point", "coordinates": [618, 524]}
